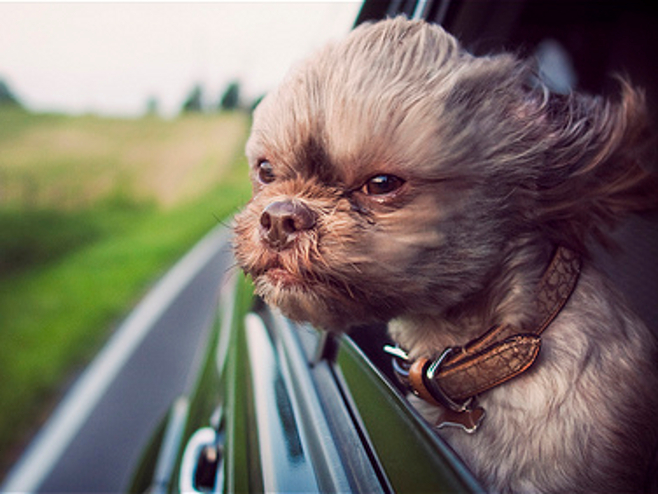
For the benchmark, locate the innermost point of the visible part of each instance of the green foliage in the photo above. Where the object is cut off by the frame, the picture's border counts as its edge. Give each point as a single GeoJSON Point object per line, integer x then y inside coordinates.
{"type": "Point", "coordinates": [7, 97]}
{"type": "Point", "coordinates": [255, 103]}
{"type": "Point", "coordinates": [152, 106]}
{"type": "Point", "coordinates": [34, 238]}
{"type": "Point", "coordinates": [230, 100]}
{"type": "Point", "coordinates": [67, 275]}
{"type": "Point", "coordinates": [73, 163]}
{"type": "Point", "coordinates": [194, 101]}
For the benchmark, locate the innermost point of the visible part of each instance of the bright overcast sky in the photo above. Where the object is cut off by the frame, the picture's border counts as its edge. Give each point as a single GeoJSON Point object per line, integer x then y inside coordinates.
{"type": "Point", "coordinates": [110, 58]}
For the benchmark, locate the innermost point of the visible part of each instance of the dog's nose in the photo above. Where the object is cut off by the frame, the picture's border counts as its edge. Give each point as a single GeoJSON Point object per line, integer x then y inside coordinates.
{"type": "Point", "coordinates": [282, 220]}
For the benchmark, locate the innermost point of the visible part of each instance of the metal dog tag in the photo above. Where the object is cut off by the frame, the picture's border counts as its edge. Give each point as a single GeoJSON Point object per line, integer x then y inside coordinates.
{"type": "Point", "coordinates": [468, 420]}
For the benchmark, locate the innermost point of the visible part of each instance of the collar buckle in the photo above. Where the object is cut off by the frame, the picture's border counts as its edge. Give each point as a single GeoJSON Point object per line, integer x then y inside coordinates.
{"type": "Point", "coordinates": [435, 389]}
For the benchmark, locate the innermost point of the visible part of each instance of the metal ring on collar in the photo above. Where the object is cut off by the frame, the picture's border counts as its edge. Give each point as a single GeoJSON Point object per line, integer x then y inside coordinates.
{"type": "Point", "coordinates": [400, 359]}
{"type": "Point", "coordinates": [436, 390]}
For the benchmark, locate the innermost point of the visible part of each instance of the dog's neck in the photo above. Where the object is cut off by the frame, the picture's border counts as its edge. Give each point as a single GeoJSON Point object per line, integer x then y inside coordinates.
{"type": "Point", "coordinates": [508, 298]}
{"type": "Point", "coordinates": [454, 377]}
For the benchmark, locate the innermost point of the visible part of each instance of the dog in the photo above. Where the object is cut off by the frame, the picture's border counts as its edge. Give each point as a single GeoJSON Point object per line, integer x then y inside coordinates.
{"type": "Point", "coordinates": [397, 178]}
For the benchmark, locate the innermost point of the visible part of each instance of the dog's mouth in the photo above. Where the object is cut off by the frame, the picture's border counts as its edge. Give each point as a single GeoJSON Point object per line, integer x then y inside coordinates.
{"type": "Point", "coordinates": [276, 274]}
{"type": "Point", "coordinates": [287, 276]}
{"type": "Point", "coordinates": [283, 278]}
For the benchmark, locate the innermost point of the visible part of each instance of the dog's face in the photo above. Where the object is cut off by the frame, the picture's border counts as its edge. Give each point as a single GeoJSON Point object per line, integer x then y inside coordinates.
{"type": "Point", "coordinates": [353, 218]}
{"type": "Point", "coordinates": [389, 174]}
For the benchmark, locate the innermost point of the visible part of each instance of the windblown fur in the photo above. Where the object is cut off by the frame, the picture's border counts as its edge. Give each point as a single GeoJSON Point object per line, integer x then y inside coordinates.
{"type": "Point", "coordinates": [485, 172]}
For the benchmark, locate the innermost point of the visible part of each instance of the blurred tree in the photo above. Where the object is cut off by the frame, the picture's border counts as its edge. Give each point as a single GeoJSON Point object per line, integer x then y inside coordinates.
{"type": "Point", "coordinates": [7, 97]}
{"type": "Point", "coordinates": [256, 102]}
{"type": "Point", "coordinates": [152, 106]}
{"type": "Point", "coordinates": [194, 101]}
{"type": "Point", "coordinates": [231, 98]}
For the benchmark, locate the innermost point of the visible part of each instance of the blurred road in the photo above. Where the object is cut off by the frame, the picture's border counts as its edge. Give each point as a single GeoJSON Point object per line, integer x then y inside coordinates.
{"type": "Point", "coordinates": [93, 441]}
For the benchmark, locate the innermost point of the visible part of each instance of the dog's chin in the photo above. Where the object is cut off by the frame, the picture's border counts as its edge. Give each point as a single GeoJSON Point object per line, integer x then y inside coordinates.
{"type": "Point", "coordinates": [284, 281]}
{"type": "Point", "coordinates": [323, 305]}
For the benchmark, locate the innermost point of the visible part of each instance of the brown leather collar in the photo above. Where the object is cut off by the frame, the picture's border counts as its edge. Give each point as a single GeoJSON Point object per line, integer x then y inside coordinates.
{"type": "Point", "coordinates": [460, 373]}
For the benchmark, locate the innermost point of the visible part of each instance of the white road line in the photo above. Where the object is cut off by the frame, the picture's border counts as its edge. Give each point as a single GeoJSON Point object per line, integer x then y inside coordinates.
{"type": "Point", "coordinates": [70, 415]}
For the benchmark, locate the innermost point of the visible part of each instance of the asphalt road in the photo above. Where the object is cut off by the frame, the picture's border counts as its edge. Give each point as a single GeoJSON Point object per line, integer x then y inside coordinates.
{"type": "Point", "coordinates": [94, 439]}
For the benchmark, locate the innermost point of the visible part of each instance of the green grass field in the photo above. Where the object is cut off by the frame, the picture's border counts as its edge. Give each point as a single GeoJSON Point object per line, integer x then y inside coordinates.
{"type": "Point", "coordinates": [92, 212]}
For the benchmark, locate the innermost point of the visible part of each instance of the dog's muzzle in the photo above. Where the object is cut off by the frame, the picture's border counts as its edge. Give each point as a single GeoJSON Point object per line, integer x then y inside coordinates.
{"type": "Point", "coordinates": [282, 221]}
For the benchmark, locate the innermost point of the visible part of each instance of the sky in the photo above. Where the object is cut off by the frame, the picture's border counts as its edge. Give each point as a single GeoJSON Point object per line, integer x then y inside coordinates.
{"type": "Point", "coordinates": [111, 58]}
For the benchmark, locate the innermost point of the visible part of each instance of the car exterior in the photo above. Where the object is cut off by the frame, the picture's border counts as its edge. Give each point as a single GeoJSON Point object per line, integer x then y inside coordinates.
{"type": "Point", "coordinates": [282, 407]}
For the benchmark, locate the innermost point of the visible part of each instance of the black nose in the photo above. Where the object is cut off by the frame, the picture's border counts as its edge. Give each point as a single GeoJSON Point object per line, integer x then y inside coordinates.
{"type": "Point", "coordinates": [282, 220]}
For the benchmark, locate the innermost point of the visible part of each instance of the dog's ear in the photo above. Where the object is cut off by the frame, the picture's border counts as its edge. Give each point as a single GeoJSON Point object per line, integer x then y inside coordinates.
{"type": "Point", "coordinates": [600, 165]}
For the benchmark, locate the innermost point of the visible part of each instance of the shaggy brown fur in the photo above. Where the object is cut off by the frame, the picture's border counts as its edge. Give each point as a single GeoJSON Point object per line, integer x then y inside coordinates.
{"type": "Point", "coordinates": [398, 178]}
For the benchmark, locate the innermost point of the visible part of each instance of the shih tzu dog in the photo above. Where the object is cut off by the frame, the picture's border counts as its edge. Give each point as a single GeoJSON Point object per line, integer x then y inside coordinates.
{"type": "Point", "coordinates": [398, 178]}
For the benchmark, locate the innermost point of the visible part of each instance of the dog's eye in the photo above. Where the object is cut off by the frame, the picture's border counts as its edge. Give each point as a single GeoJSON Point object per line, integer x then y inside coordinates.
{"type": "Point", "coordinates": [265, 172]}
{"type": "Point", "coordinates": [382, 184]}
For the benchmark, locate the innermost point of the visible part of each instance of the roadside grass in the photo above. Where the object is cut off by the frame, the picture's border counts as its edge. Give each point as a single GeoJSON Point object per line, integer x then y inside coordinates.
{"type": "Point", "coordinates": [72, 163]}
{"type": "Point", "coordinates": [70, 271]}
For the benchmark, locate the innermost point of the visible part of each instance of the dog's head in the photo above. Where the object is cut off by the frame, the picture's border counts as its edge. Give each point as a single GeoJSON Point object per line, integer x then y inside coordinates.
{"type": "Point", "coordinates": [392, 171]}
